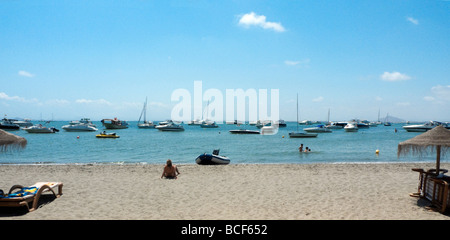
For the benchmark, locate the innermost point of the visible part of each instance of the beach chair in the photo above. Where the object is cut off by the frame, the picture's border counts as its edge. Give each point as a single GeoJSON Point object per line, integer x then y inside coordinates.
{"type": "Point", "coordinates": [434, 187]}
{"type": "Point", "coordinates": [29, 194]}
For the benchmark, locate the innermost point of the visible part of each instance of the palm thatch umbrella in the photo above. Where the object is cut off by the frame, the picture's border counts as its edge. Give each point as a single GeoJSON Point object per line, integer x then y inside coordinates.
{"type": "Point", "coordinates": [436, 139]}
{"type": "Point", "coordinates": [9, 140]}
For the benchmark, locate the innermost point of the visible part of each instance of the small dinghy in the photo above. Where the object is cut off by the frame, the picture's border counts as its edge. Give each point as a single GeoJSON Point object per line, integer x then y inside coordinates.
{"type": "Point", "coordinates": [107, 135]}
{"type": "Point", "coordinates": [212, 159]}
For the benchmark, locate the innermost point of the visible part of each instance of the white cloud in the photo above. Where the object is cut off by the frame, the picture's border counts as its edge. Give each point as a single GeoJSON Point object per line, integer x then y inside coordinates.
{"type": "Point", "coordinates": [412, 20]}
{"type": "Point", "coordinates": [403, 104]}
{"type": "Point", "coordinates": [318, 99]}
{"type": "Point", "coordinates": [252, 19]}
{"type": "Point", "coordinates": [5, 96]}
{"type": "Point", "coordinates": [88, 101]}
{"type": "Point", "coordinates": [25, 74]}
{"type": "Point", "coordinates": [394, 76]}
{"type": "Point", "coordinates": [441, 92]}
{"type": "Point", "coordinates": [303, 62]}
{"type": "Point", "coordinates": [428, 98]}
{"type": "Point", "coordinates": [378, 98]}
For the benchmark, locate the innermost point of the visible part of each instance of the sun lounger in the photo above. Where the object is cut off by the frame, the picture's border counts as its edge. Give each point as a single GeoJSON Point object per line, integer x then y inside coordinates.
{"type": "Point", "coordinates": [434, 187]}
{"type": "Point", "coordinates": [29, 194]}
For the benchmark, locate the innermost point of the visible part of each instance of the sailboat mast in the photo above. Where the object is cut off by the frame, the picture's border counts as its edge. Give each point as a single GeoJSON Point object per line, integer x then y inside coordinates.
{"type": "Point", "coordinates": [297, 112]}
{"type": "Point", "coordinates": [145, 110]}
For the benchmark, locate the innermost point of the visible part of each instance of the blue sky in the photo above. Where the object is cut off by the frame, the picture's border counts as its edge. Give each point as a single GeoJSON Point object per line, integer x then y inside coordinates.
{"type": "Point", "coordinates": [101, 59]}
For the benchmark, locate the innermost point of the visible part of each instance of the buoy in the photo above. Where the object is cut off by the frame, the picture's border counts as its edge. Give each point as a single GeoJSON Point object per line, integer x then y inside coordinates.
{"type": "Point", "coordinates": [377, 151]}
{"type": "Point", "coordinates": [282, 136]}
{"type": "Point", "coordinates": [78, 137]}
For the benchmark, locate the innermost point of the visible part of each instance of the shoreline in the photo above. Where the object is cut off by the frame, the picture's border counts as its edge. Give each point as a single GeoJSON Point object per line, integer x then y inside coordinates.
{"type": "Point", "coordinates": [374, 191]}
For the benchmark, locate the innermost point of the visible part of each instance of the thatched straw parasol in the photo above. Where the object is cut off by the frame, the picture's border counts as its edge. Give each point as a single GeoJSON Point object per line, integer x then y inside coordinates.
{"type": "Point", "coordinates": [9, 140]}
{"type": "Point", "coordinates": [437, 139]}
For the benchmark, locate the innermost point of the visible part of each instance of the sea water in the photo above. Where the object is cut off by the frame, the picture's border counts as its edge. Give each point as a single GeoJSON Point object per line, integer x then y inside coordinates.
{"type": "Point", "coordinates": [151, 146]}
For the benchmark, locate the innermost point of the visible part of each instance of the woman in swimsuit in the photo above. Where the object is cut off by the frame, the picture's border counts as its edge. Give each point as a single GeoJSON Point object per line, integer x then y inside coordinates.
{"type": "Point", "coordinates": [170, 171]}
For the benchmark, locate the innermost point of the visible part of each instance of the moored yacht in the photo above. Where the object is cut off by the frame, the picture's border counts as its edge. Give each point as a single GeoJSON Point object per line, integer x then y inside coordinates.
{"type": "Point", "coordinates": [424, 127]}
{"type": "Point", "coordinates": [80, 127]}
{"type": "Point", "coordinates": [114, 123]}
{"type": "Point", "coordinates": [40, 129]}
{"type": "Point", "coordinates": [172, 127]}
{"type": "Point", "coordinates": [351, 127]}
{"type": "Point", "coordinates": [318, 129]}
{"type": "Point", "coordinates": [7, 124]}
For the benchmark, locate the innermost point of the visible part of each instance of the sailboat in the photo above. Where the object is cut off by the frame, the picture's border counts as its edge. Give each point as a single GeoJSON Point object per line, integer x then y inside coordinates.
{"type": "Point", "coordinates": [386, 123]}
{"type": "Point", "coordinates": [208, 123]}
{"type": "Point", "coordinates": [300, 134]}
{"type": "Point", "coordinates": [145, 124]}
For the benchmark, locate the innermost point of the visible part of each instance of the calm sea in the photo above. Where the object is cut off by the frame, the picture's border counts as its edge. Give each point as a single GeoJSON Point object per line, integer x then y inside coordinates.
{"type": "Point", "coordinates": [151, 146]}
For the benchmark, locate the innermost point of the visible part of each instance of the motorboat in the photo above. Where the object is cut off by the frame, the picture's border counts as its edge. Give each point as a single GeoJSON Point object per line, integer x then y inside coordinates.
{"type": "Point", "coordinates": [22, 123]}
{"type": "Point", "coordinates": [165, 122]}
{"type": "Point", "coordinates": [302, 135]}
{"type": "Point", "coordinates": [424, 127]}
{"type": "Point", "coordinates": [244, 131]}
{"type": "Point", "coordinates": [80, 127]}
{"type": "Point", "coordinates": [83, 120]}
{"type": "Point", "coordinates": [196, 122]}
{"type": "Point", "coordinates": [114, 123]}
{"type": "Point", "coordinates": [269, 130]}
{"type": "Point", "coordinates": [212, 159]}
{"type": "Point", "coordinates": [260, 124]}
{"type": "Point", "coordinates": [373, 124]}
{"type": "Point", "coordinates": [281, 123]}
{"type": "Point", "coordinates": [342, 124]}
{"type": "Point", "coordinates": [351, 127]}
{"type": "Point", "coordinates": [333, 125]}
{"type": "Point", "coordinates": [172, 127]}
{"type": "Point", "coordinates": [209, 124]}
{"type": "Point", "coordinates": [305, 122]}
{"type": "Point", "coordinates": [40, 129]}
{"type": "Point", "coordinates": [145, 123]}
{"type": "Point", "coordinates": [107, 135]}
{"type": "Point", "coordinates": [7, 124]}
{"type": "Point", "coordinates": [318, 129]}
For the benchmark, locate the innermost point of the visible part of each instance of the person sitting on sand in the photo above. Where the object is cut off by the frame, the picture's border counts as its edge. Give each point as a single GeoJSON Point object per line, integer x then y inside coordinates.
{"type": "Point", "coordinates": [300, 149]}
{"type": "Point", "coordinates": [170, 171]}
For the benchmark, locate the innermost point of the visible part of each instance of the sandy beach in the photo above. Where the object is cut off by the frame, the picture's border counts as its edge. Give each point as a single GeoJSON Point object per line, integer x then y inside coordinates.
{"type": "Point", "coordinates": [236, 191]}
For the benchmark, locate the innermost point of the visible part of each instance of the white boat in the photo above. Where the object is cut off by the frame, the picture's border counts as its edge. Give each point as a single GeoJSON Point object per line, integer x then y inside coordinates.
{"type": "Point", "coordinates": [80, 127]}
{"type": "Point", "coordinates": [196, 122]}
{"type": "Point", "coordinates": [268, 130]}
{"type": "Point", "coordinates": [114, 123]}
{"type": "Point", "coordinates": [165, 122]}
{"type": "Point", "coordinates": [23, 123]}
{"type": "Point", "coordinates": [318, 129]}
{"type": "Point", "coordinates": [301, 134]}
{"type": "Point", "coordinates": [351, 127]}
{"type": "Point", "coordinates": [305, 122]}
{"type": "Point", "coordinates": [40, 129]}
{"type": "Point", "coordinates": [212, 159]}
{"type": "Point", "coordinates": [333, 125]}
{"type": "Point", "coordinates": [262, 123]}
{"type": "Point", "coordinates": [424, 127]}
{"type": "Point", "coordinates": [244, 131]}
{"type": "Point", "coordinates": [209, 124]}
{"type": "Point", "coordinates": [281, 123]}
{"type": "Point", "coordinates": [172, 127]}
{"type": "Point", "coordinates": [83, 120]}
{"type": "Point", "coordinates": [145, 124]}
